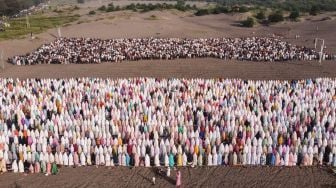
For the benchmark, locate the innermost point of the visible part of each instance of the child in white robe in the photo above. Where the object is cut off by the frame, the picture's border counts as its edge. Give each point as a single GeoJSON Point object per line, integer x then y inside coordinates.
{"type": "Point", "coordinates": [21, 167]}
{"type": "Point", "coordinates": [210, 160]}
{"type": "Point", "coordinates": [71, 160]}
{"type": "Point", "coordinates": [200, 160]}
{"type": "Point", "coordinates": [82, 159]}
{"type": "Point", "coordinates": [214, 159]}
{"type": "Point", "coordinates": [15, 167]}
{"type": "Point", "coordinates": [194, 163]}
{"type": "Point", "coordinates": [65, 159]}
{"type": "Point", "coordinates": [235, 159]}
{"type": "Point", "coordinates": [156, 160]}
{"type": "Point", "coordinates": [147, 161]}
{"type": "Point", "coordinates": [166, 160]}
{"type": "Point", "coordinates": [107, 159]}
{"type": "Point", "coordinates": [185, 160]}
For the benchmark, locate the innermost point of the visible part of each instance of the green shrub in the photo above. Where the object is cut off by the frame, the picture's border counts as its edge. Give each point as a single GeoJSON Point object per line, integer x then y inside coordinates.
{"type": "Point", "coordinates": [294, 15]}
{"type": "Point", "coordinates": [102, 8]}
{"type": "Point", "coordinates": [131, 6]}
{"type": "Point", "coordinates": [110, 9]}
{"type": "Point", "coordinates": [215, 10]}
{"type": "Point", "coordinates": [249, 22]}
{"type": "Point", "coordinates": [314, 10]}
{"type": "Point", "coordinates": [261, 15]}
{"type": "Point", "coordinates": [180, 5]}
{"type": "Point", "coordinates": [243, 9]}
{"type": "Point", "coordinates": [276, 17]}
{"type": "Point", "coordinates": [201, 12]}
{"type": "Point", "coordinates": [220, 9]}
{"type": "Point", "coordinates": [92, 12]}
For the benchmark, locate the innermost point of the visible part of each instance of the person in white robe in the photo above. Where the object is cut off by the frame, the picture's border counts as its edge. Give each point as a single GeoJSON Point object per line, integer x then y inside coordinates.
{"type": "Point", "coordinates": [21, 167]}
{"type": "Point", "coordinates": [147, 161]}
{"type": "Point", "coordinates": [15, 167]}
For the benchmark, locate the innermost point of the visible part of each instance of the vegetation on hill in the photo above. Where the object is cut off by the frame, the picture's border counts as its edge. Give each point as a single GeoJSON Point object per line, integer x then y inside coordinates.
{"type": "Point", "coordinates": [261, 15]}
{"type": "Point", "coordinates": [294, 15]}
{"type": "Point", "coordinates": [276, 17]}
{"type": "Point", "coordinates": [222, 9]}
{"type": "Point", "coordinates": [284, 5]}
{"type": "Point", "coordinates": [146, 7]}
{"type": "Point", "coordinates": [10, 7]}
{"type": "Point", "coordinates": [38, 23]}
{"type": "Point", "coordinates": [249, 22]}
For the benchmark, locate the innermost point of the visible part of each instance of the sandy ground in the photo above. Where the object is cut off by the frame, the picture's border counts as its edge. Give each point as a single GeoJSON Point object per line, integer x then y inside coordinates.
{"type": "Point", "coordinates": [127, 24]}
{"type": "Point", "coordinates": [175, 24]}
{"type": "Point", "coordinates": [191, 177]}
{"type": "Point", "coordinates": [187, 68]}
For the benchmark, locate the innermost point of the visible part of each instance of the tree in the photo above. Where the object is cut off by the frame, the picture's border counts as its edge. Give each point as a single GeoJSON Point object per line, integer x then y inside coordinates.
{"type": "Point", "coordinates": [294, 15]}
{"type": "Point", "coordinates": [80, 1]}
{"type": "Point", "coordinates": [180, 5]}
{"type": "Point", "coordinates": [102, 8]}
{"type": "Point", "coordinates": [110, 8]}
{"type": "Point", "coordinates": [276, 17]}
{"type": "Point", "coordinates": [3, 7]}
{"type": "Point", "coordinates": [249, 22]}
{"type": "Point", "coordinates": [220, 9]}
{"type": "Point", "coordinates": [216, 10]}
{"type": "Point", "coordinates": [13, 7]}
{"type": "Point", "coordinates": [314, 10]}
{"type": "Point", "coordinates": [243, 9]}
{"type": "Point", "coordinates": [202, 12]}
{"type": "Point", "coordinates": [261, 15]}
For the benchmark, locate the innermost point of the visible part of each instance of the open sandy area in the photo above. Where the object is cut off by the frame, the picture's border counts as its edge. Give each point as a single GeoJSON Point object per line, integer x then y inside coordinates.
{"type": "Point", "coordinates": [176, 24]}
{"type": "Point", "coordinates": [191, 177]}
{"type": "Point", "coordinates": [190, 68]}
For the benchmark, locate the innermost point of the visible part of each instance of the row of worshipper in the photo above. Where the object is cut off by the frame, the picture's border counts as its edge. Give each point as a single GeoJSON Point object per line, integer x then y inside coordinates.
{"type": "Point", "coordinates": [151, 122]}
{"type": "Point", "coordinates": [41, 162]}
{"type": "Point", "coordinates": [88, 50]}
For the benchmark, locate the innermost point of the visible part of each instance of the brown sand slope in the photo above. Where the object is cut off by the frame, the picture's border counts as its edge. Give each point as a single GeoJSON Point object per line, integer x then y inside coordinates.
{"type": "Point", "coordinates": [190, 68]}
{"type": "Point", "coordinates": [196, 177]}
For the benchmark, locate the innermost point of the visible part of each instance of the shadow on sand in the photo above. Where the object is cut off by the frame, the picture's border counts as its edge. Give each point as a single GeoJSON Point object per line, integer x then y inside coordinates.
{"type": "Point", "coordinates": [160, 173]}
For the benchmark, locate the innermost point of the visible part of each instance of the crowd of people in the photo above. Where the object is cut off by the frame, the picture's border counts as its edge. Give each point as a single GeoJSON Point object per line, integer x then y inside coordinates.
{"type": "Point", "coordinates": [87, 50]}
{"type": "Point", "coordinates": [47, 123]}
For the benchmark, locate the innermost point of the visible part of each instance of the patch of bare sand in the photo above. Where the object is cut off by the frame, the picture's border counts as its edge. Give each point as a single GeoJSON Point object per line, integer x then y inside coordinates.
{"type": "Point", "coordinates": [191, 177]}
{"type": "Point", "coordinates": [183, 68]}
